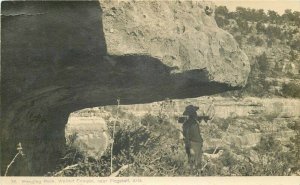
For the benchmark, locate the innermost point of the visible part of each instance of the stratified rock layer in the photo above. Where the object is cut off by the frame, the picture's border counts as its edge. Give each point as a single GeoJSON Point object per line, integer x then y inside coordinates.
{"type": "Point", "coordinates": [58, 57]}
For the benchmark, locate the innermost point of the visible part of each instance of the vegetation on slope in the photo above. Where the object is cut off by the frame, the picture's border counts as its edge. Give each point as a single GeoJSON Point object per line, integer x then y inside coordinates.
{"type": "Point", "coordinates": [272, 43]}
{"type": "Point", "coordinates": [152, 146]}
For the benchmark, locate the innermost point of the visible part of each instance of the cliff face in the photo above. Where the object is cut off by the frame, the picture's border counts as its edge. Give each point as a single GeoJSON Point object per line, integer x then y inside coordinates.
{"type": "Point", "coordinates": [58, 57]}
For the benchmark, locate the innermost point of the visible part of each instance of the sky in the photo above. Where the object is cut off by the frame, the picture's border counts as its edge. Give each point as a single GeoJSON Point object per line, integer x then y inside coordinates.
{"type": "Point", "coordinates": [277, 5]}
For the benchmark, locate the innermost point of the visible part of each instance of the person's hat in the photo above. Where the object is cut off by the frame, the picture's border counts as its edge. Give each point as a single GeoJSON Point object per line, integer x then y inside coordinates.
{"type": "Point", "coordinates": [190, 110]}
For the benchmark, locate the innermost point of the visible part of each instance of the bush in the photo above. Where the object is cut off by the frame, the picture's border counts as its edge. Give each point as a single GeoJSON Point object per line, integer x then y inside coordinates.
{"type": "Point", "coordinates": [227, 159]}
{"type": "Point", "coordinates": [243, 25]}
{"type": "Point", "coordinates": [295, 44]}
{"type": "Point", "coordinates": [267, 144]}
{"type": "Point", "coordinates": [260, 27]}
{"type": "Point", "coordinates": [223, 124]}
{"type": "Point", "coordinates": [152, 148]}
{"type": "Point", "coordinates": [257, 41]}
{"type": "Point", "coordinates": [270, 42]}
{"type": "Point", "coordinates": [221, 11]}
{"type": "Point", "coordinates": [291, 90]}
{"type": "Point", "coordinates": [295, 141]}
{"type": "Point", "coordinates": [273, 159]}
{"type": "Point", "coordinates": [273, 32]}
{"type": "Point", "coordinates": [262, 62]}
{"type": "Point", "coordinates": [221, 22]}
{"type": "Point", "coordinates": [151, 121]}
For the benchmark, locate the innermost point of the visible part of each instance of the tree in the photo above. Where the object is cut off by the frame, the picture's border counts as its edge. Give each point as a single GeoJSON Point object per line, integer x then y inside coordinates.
{"type": "Point", "coordinates": [260, 27]}
{"type": "Point", "coordinates": [291, 90]}
{"type": "Point", "coordinates": [297, 17]}
{"type": "Point", "coordinates": [260, 15]}
{"type": "Point", "coordinates": [295, 44]}
{"type": "Point", "coordinates": [273, 16]}
{"type": "Point", "coordinates": [243, 25]}
{"type": "Point", "coordinates": [262, 62]}
{"type": "Point", "coordinates": [288, 15]}
{"type": "Point", "coordinates": [273, 32]}
{"type": "Point", "coordinates": [222, 10]}
{"type": "Point", "coordinates": [221, 22]}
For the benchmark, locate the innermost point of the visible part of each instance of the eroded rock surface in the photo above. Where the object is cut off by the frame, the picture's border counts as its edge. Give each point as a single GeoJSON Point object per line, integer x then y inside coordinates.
{"type": "Point", "coordinates": [180, 34]}
{"type": "Point", "coordinates": [58, 57]}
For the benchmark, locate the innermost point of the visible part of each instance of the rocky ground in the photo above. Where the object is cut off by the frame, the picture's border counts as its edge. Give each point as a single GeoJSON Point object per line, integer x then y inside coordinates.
{"type": "Point", "coordinates": [238, 128]}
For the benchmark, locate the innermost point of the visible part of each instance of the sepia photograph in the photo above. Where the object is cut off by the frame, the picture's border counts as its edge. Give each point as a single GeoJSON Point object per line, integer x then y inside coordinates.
{"type": "Point", "coordinates": [130, 88]}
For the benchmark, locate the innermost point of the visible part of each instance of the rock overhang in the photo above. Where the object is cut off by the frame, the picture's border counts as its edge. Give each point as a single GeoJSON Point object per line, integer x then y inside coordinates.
{"type": "Point", "coordinates": [168, 38]}
{"type": "Point", "coordinates": [58, 57]}
{"type": "Point", "coordinates": [178, 33]}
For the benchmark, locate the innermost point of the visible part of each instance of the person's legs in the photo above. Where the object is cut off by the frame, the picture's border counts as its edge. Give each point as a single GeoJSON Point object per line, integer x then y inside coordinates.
{"type": "Point", "coordinates": [188, 152]}
{"type": "Point", "coordinates": [196, 148]}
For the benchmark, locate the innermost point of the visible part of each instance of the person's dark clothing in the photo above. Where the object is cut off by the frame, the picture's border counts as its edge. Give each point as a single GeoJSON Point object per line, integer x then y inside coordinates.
{"type": "Point", "coordinates": [191, 131]}
{"type": "Point", "coordinates": [193, 142]}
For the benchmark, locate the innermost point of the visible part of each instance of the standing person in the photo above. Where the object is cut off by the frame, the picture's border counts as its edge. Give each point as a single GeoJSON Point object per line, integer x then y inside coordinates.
{"type": "Point", "coordinates": [192, 137]}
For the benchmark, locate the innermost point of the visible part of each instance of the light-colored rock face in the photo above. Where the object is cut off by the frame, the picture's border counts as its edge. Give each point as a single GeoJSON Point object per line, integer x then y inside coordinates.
{"type": "Point", "coordinates": [62, 56]}
{"type": "Point", "coordinates": [91, 135]}
{"type": "Point", "coordinates": [180, 34]}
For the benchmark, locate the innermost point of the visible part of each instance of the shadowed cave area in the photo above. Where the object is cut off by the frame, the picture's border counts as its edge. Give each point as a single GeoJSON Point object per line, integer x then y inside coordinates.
{"type": "Point", "coordinates": [54, 62]}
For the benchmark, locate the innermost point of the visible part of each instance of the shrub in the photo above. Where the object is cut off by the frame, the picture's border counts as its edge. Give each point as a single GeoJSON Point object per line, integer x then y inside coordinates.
{"type": "Point", "coordinates": [257, 41]}
{"type": "Point", "coordinates": [222, 11]}
{"type": "Point", "coordinates": [273, 159]}
{"type": "Point", "coordinates": [273, 32]}
{"type": "Point", "coordinates": [291, 90]}
{"type": "Point", "coordinates": [153, 148]}
{"type": "Point", "coordinates": [295, 142]}
{"type": "Point", "coordinates": [221, 22]}
{"type": "Point", "coordinates": [262, 62]}
{"type": "Point", "coordinates": [71, 138]}
{"type": "Point", "coordinates": [260, 27]}
{"type": "Point", "coordinates": [267, 144]}
{"type": "Point", "coordinates": [151, 121]}
{"type": "Point", "coordinates": [223, 124]}
{"type": "Point", "coordinates": [227, 159]}
{"type": "Point", "coordinates": [243, 25]}
{"type": "Point", "coordinates": [295, 44]}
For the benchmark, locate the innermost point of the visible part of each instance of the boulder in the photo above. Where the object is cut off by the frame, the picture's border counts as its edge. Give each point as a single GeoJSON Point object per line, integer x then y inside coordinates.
{"type": "Point", "coordinates": [179, 34]}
